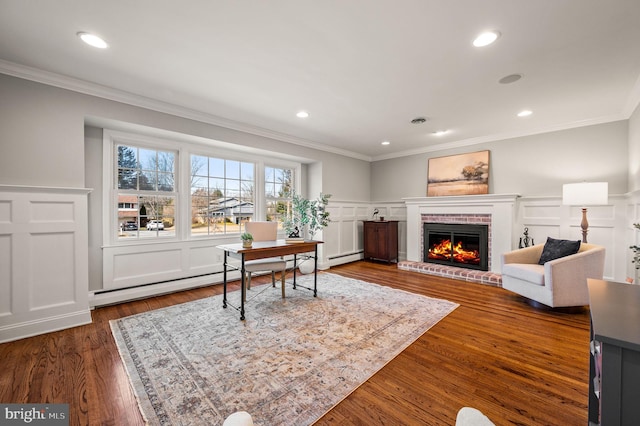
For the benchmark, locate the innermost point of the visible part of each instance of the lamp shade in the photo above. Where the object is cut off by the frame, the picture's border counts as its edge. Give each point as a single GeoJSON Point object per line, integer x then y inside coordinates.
{"type": "Point", "coordinates": [585, 193]}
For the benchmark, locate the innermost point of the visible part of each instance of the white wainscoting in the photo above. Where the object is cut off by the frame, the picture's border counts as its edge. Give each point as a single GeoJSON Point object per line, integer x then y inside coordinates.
{"type": "Point", "coordinates": [343, 237]}
{"type": "Point", "coordinates": [633, 234]}
{"type": "Point", "coordinates": [43, 260]}
{"type": "Point", "coordinates": [139, 264]}
{"type": "Point", "coordinates": [547, 217]}
{"type": "Point", "coordinates": [171, 266]}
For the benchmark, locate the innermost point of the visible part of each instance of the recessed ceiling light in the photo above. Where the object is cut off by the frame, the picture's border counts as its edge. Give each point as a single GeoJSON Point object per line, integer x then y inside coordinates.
{"type": "Point", "coordinates": [386, 143]}
{"type": "Point", "coordinates": [93, 40]}
{"type": "Point", "coordinates": [486, 38]}
{"type": "Point", "coordinates": [441, 132]}
{"type": "Point", "coordinates": [512, 78]}
{"type": "Point", "coordinates": [525, 113]}
{"type": "Point", "coordinates": [302, 114]}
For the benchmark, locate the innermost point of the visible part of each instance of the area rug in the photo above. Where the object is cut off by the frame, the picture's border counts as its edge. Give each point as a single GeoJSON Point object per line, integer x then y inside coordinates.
{"type": "Point", "coordinates": [288, 363]}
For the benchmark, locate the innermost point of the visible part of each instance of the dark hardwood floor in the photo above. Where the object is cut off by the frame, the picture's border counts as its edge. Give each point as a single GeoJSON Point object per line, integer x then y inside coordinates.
{"type": "Point", "coordinates": [517, 364]}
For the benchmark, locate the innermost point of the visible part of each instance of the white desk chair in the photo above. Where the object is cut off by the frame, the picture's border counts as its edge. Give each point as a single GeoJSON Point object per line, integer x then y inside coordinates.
{"type": "Point", "coordinates": [264, 231]}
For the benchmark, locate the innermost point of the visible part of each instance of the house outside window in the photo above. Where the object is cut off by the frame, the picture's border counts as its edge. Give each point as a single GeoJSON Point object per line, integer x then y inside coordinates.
{"type": "Point", "coordinates": [222, 195]}
{"type": "Point", "coordinates": [279, 183]}
{"type": "Point", "coordinates": [172, 191]}
{"type": "Point", "coordinates": [146, 192]}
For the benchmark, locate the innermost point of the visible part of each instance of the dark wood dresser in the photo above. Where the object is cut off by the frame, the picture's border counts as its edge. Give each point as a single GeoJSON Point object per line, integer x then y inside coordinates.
{"type": "Point", "coordinates": [381, 240]}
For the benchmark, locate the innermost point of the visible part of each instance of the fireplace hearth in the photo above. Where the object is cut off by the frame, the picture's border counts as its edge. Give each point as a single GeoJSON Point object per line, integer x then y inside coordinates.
{"type": "Point", "coordinates": [458, 245]}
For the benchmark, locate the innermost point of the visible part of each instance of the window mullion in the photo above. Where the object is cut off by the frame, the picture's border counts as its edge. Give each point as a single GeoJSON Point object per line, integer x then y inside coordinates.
{"type": "Point", "coordinates": [260, 203]}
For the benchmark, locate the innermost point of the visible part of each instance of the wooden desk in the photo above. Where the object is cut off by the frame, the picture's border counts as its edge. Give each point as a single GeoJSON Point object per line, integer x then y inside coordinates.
{"type": "Point", "coordinates": [264, 249]}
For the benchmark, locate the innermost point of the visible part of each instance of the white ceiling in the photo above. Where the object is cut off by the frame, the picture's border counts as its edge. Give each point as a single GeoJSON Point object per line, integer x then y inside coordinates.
{"type": "Point", "coordinates": [362, 68]}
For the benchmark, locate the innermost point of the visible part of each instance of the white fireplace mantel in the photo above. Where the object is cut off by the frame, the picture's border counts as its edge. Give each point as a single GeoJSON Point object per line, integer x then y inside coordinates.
{"type": "Point", "coordinates": [501, 208]}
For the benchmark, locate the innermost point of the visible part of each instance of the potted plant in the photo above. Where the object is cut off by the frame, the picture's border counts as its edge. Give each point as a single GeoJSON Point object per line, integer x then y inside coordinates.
{"type": "Point", "coordinates": [636, 251]}
{"type": "Point", "coordinates": [307, 215]}
{"type": "Point", "coordinates": [247, 239]}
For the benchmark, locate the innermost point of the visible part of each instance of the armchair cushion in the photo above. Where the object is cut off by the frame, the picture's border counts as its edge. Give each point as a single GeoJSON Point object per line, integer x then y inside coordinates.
{"type": "Point", "coordinates": [555, 249]}
{"type": "Point", "coordinates": [525, 271]}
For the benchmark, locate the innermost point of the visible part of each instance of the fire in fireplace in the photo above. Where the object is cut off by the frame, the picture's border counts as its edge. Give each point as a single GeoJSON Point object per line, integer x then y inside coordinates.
{"type": "Point", "coordinates": [455, 244]}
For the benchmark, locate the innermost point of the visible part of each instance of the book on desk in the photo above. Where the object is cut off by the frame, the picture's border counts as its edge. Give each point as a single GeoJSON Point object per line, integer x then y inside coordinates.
{"type": "Point", "coordinates": [294, 240]}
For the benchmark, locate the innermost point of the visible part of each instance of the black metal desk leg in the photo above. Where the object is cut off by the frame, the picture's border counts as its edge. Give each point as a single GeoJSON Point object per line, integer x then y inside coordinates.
{"type": "Point", "coordinates": [243, 290]}
{"type": "Point", "coordinates": [295, 266]}
{"type": "Point", "coordinates": [224, 297]}
{"type": "Point", "coordinates": [315, 273]}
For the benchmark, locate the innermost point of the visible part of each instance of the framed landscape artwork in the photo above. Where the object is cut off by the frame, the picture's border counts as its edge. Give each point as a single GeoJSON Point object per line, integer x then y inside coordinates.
{"type": "Point", "coordinates": [463, 174]}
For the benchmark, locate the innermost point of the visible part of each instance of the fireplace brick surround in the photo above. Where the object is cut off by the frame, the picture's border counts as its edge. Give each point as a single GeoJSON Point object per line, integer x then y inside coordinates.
{"type": "Point", "coordinates": [460, 219]}
{"type": "Point", "coordinates": [495, 210]}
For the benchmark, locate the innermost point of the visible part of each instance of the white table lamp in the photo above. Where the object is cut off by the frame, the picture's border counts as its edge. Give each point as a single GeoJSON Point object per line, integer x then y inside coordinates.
{"type": "Point", "coordinates": [585, 194]}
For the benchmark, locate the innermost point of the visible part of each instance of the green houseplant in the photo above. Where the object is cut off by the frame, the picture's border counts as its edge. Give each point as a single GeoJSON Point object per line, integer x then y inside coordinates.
{"type": "Point", "coordinates": [247, 239]}
{"type": "Point", "coordinates": [636, 250]}
{"type": "Point", "coordinates": [309, 215]}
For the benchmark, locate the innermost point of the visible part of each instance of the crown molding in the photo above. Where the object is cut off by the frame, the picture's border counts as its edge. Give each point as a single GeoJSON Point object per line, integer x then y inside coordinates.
{"type": "Point", "coordinates": [105, 92]}
{"type": "Point", "coordinates": [502, 136]}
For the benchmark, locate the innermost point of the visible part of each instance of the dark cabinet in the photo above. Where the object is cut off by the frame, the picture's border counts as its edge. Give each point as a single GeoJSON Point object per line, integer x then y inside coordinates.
{"type": "Point", "coordinates": [381, 240]}
{"type": "Point", "coordinates": [614, 379]}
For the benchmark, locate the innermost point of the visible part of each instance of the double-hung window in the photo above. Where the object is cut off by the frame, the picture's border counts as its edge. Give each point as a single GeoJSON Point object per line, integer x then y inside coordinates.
{"type": "Point", "coordinates": [278, 187]}
{"type": "Point", "coordinates": [175, 191]}
{"type": "Point", "coordinates": [146, 191]}
{"type": "Point", "coordinates": [222, 195]}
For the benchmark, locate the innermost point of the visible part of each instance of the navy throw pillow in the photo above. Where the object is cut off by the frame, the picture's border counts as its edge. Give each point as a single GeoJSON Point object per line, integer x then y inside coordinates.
{"type": "Point", "coordinates": [555, 249]}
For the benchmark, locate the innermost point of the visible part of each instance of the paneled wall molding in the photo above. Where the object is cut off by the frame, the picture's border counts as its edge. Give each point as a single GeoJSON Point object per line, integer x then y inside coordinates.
{"type": "Point", "coordinates": [44, 189]}
{"type": "Point", "coordinates": [186, 264]}
{"type": "Point", "coordinates": [547, 217]}
{"type": "Point", "coordinates": [43, 260]}
{"type": "Point", "coordinates": [343, 237]}
{"type": "Point", "coordinates": [633, 234]}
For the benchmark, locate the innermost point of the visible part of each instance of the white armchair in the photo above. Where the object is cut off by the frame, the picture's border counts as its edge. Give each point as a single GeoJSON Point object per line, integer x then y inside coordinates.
{"type": "Point", "coordinates": [558, 283]}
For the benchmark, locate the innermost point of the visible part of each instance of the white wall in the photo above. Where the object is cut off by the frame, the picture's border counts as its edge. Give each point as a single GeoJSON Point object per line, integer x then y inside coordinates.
{"type": "Point", "coordinates": [52, 137]}
{"type": "Point", "coordinates": [535, 165]}
{"type": "Point", "coordinates": [41, 134]}
{"type": "Point", "coordinates": [43, 139]}
{"type": "Point", "coordinates": [634, 151]}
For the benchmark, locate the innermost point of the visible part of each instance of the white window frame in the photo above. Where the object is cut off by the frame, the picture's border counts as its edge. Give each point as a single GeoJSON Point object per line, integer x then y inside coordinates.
{"type": "Point", "coordinates": [294, 184]}
{"type": "Point", "coordinates": [183, 148]}
{"type": "Point", "coordinates": [218, 155]}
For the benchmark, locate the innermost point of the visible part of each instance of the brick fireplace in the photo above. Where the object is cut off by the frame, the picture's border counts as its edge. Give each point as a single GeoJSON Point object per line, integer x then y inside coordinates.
{"type": "Point", "coordinates": [495, 211]}
{"type": "Point", "coordinates": [464, 245]}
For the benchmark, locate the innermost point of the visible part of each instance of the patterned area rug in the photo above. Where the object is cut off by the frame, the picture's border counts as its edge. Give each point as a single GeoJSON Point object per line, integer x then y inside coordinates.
{"type": "Point", "coordinates": [288, 363]}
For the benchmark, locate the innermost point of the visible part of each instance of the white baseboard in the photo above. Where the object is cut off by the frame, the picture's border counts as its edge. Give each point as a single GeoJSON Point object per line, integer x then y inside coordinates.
{"type": "Point", "coordinates": [346, 259]}
{"type": "Point", "coordinates": [128, 294]}
{"type": "Point", "coordinates": [25, 329]}
{"type": "Point", "coordinates": [97, 299]}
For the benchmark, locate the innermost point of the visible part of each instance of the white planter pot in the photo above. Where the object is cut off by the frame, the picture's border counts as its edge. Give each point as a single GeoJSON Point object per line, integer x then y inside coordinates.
{"type": "Point", "coordinates": [306, 266]}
